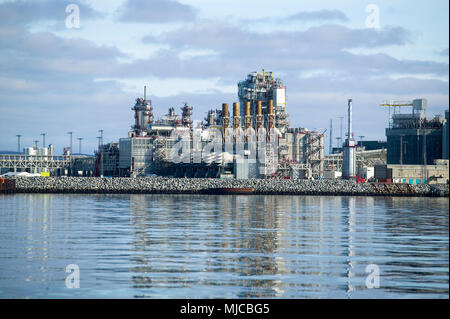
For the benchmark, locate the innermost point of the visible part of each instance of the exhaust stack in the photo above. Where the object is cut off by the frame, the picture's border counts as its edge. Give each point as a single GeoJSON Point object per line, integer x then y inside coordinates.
{"type": "Point", "coordinates": [349, 160]}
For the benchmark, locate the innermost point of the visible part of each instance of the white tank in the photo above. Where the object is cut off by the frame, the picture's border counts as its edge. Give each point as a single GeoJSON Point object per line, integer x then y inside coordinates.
{"type": "Point", "coordinates": [30, 151]}
{"type": "Point", "coordinates": [43, 151]}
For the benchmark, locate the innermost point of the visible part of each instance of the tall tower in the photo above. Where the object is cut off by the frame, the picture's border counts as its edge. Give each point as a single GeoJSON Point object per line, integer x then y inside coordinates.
{"type": "Point", "coordinates": [262, 86]}
{"type": "Point", "coordinates": [349, 160]}
{"type": "Point", "coordinates": [186, 115]}
{"type": "Point", "coordinates": [142, 113]}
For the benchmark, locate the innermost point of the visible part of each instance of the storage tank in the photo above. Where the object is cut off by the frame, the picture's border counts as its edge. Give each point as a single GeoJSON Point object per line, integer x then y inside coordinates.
{"type": "Point", "coordinates": [51, 150]}
{"type": "Point", "coordinates": [43, 151]}
{"type": "Point", "coordinates": [30, 151]}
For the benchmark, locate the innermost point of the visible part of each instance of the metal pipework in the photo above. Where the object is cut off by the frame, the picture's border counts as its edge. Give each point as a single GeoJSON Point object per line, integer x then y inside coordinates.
{"type": "Point", "coordinates": [270, 107]}
{"type": "Point", "coordinates": [248, 117]}
{"type": "Point", "coordinates": [236, 118]}
{"type": "Point", "coordinates": [270, 115]}
{"type": "Point", "coordinates": [225, 119]}
{"type": "Point", "coordinates": [259, 116]}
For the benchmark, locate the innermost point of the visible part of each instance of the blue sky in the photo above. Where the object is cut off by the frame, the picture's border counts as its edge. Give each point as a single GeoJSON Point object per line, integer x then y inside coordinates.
{"type": "Point", "coordinates": [54, 79]}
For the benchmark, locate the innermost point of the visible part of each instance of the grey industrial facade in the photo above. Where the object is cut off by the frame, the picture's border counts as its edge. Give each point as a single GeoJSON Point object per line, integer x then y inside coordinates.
{"type": "Point", "coordinates": [414, 139]}
{"type": "Point", "coordinates": [419, 146]}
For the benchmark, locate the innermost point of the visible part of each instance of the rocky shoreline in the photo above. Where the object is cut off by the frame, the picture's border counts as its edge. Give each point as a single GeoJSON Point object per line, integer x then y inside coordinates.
{"type": "Point", "coordinates": [155, 185]}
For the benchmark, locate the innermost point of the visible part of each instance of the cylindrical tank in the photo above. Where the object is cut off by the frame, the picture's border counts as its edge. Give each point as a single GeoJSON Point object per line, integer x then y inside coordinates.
{"type": "Point", "coordinates": [235, 109]}
{"type": "Point", "coordinates": [247, 108]}
{"type": "Point", "coordinates": [270, 115]}
{"type": "Point", "coordinates": [30, 151]}
{"type": "Point", "coordinates": [224, 110]}
{"type": "Point", "coordinates": [270, 107]}
{"type": "Point", "coordinates": [259, 116]}
{"type": "Point", "coordinates": [236, 118]}
{"type": "Point", "coordinates": [248, 117]}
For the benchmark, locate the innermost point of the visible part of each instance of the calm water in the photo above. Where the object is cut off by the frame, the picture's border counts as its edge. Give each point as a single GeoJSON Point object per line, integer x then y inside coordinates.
{"type": "Point", "coordinates": [184, 246]}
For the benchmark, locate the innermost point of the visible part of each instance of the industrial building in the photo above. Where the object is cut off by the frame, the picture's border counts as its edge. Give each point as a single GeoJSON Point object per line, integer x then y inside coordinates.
{"type": "Point", "coordinates": [149, 147]}
{"type": "Point", "coordinates": [445, 140]}
{"type": "Point", "coordinates": [372, 145]}
{"type": "Point", "coordinates": [414, 174]}
{"type": "Point", "coordinates": [414, 139]}
{"type": "Point", "coordinates": [254, 140]}
{"type": "Point", "coordinates": [262, 86]}
{"type": "Point", "coordinates": [40, 161]}
{"type": "Point", "coordinates": [107, 160]}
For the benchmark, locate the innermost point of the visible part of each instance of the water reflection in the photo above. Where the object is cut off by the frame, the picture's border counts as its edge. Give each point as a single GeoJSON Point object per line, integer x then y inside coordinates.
{"type": "Point", "coordinates": [197, 246]}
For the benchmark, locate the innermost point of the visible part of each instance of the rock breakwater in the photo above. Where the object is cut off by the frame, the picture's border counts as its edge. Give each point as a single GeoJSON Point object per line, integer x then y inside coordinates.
{"type": "Point", "coordinates": [152, 185]}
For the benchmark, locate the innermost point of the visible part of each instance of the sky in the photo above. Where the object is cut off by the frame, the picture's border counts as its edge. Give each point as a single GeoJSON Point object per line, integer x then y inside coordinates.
{"type": "Point", "coordinates": [79, 65]}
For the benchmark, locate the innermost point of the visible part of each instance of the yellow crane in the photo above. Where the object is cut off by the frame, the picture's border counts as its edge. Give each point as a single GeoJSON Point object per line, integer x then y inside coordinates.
{"type": "Point", "coordinates": [394, 104]}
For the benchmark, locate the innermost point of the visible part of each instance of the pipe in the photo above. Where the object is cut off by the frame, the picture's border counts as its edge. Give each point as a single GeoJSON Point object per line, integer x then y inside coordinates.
{"type": "Point", "coordinates": [270, 108]}
{"type": "Point", "coordinates": [225, 119]}
{"type": "Point", "coordinates": [270, 115]}
{"type": "Point", "coordinates": [236, 118]}
{"type": "Point", "coordinates": [247, 108]}
{"type": "Point", "coordinates": [350, 118]}
{"type": "Point", "coordinates": [259, 116]}
{"type": "Point", "coordinates": [224, 110]}
{"type": "Point", "coordinates": [248, 117]}
{"type": "Point", "coordinates": [235, 109]}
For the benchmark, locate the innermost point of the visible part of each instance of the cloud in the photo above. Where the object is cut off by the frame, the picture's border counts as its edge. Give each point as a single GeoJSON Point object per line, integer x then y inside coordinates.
{"type": "Point", "coordinates": [222, 37]}
{"type": "Point", "coordinates": [375, 85]}
{"type": "Point", "coordinates": [155, 11]}
{"type": "Point", "coordinates": [55, 79]}
{"type": "Point", "coordinates": [320, 15]}
{"type": "Point", "coordinates": [322, 47]}
{"type": "Point", "coordinates": [443, 52]}
{"type": "Point", "coordinates": [24, 12]}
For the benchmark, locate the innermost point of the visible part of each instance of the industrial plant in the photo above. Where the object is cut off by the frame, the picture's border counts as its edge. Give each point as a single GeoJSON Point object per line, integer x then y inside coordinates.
{"type": "Point", "coordinates": [254, 140]}
{"type": "Point", "coordinates": [261, 110]}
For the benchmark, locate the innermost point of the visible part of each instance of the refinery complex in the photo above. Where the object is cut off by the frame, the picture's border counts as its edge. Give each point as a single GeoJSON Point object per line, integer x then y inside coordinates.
{"type": "Point", "coordinates": [252, 138]}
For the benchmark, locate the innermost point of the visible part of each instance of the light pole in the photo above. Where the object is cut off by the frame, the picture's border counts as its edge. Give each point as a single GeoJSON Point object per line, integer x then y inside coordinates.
{"type": "Point", "coordinates": [18, 142]}
{"type": "Point", "coordinates": [100, 151]}
{"type": "Point", "coordinates": [43, 139]}
{"type": "Point", "coordinates": [79, 144]}
{"type": "Point", "coordinates": [361, 138]}
{"type": "Point", "coordinates": [101, 137]}
{"type": "Point", "coordinates": [331, 137]}
{"type": "Point", "coordinates": [70, 133]}
{"type": "Point", "coordinates": [338, 139]}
